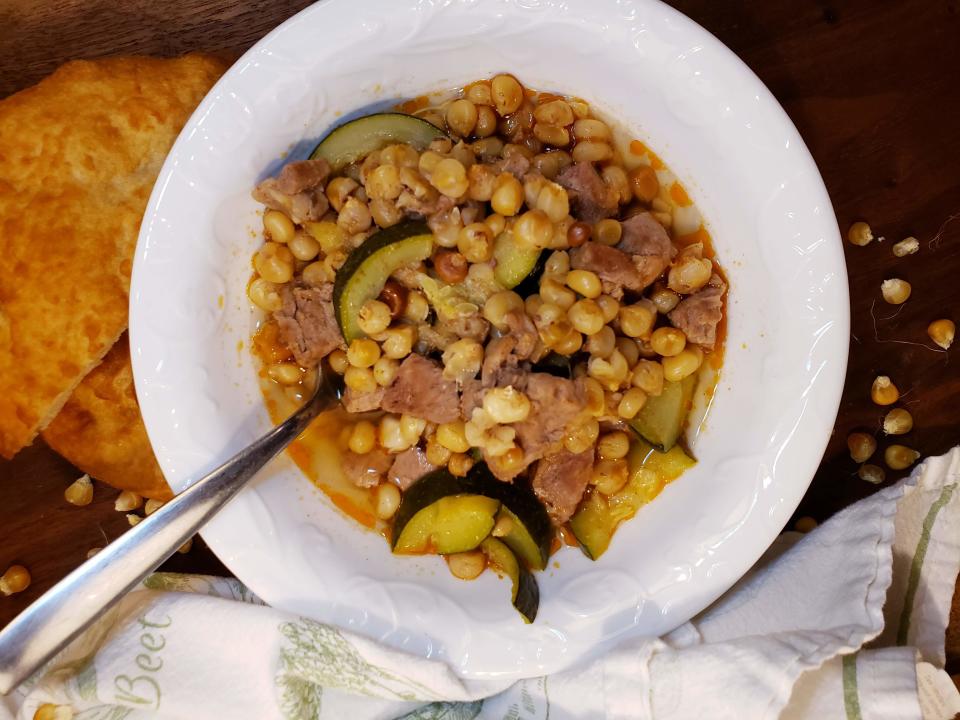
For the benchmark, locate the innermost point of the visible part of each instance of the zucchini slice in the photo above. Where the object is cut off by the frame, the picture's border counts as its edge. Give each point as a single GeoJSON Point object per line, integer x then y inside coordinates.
{"type": "Point", "coordinates": [532, 532]}
{"type": "Point", "coordinates": [514, 262]}
{"type": "Point", "coordinates": [598, 517]}
{"type": "Point", "coordinates": [593, 525]}
{"type": "Point", "coordinates": [452, 524]}
{"type": "Point", "coordinates": [367, 268]}
{"type": "Point", "coordinates": [524, 591]}
{"type": "Point", "coordinates": [357, 138]}
{"type": "Point", "coordinates": [661, 420]}
{"type": "Point", "coordinates": [529, 536]}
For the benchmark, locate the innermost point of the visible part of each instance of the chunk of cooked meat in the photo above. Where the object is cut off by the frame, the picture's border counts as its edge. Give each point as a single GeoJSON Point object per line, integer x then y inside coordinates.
{"type": "Point", "coordinates": [592, 198]}
{"type": "Point", "coordinates": [555, 405]}
{"type": "Point", "coordinates": [523, 330]}
{"type": "Point", "coordinates": [360, 402]}
{"type": "Point", "coordinates": [699, 314]}
{"type": "Point", "coordinates": [433, 337]}
{"type": "Point", "coordinates": [366, 470]}
{"type": "Point", "coordinates": [614, 267]}
{"type": "Point", "coordinates": [474, 326]}
{"type": "Point", "coordinates": [297, 190]}
{"type": "Point", "coordinates": [306, 323]}
{"type": "Point", "coordinates": [409, 466]}
{"type": "Point", "coordinates": [501, 364]}
{"type": "Point", "coordinates": [471, 397]}
{"type": "Point", "coordinates": [421, 390]}
{"type": "Point", "coordinates": [648, 244]}
{"type": "Point", "coordinates": [560, 479]}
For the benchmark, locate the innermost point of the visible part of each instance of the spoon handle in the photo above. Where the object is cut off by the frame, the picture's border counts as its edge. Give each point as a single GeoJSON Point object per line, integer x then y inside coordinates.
{"type": "Point", "coordinates": [66, 609]}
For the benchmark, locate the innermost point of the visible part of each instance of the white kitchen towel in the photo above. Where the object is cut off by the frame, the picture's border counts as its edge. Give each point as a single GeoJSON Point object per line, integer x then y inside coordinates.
{"type": "Point", "coordinates": [845, 622]}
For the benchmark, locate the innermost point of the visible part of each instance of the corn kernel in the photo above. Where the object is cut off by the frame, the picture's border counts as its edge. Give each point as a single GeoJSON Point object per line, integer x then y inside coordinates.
{"type": "Point", "coordinates": [636, 321]}
{"type": "Point", "coordinates": [127, 501]}
{"type": "Point", "coordinates": [872, 474]}
{"type": "Point", "coordinates": [186, 547]}
{"type": "Point", "coordinates": [374, 317]}
{"type": "Point", "coordinates": [466, 565]}
{"type": "Point", "coordinates": [586, 316]}
{"type": "Point", "coordinates": [388, 500]}
{"type": "Point", "coordinates": [898, 422]}
{"type": "Point", "coordinates": [436, 453]}
{"type": "Point", "coordinates": [610, 307]}
{"type": "Point", "coordinates": [648, 376]}
{"type": "Point", "coordinates": [152, 506]}
{"type": "Point", "coordinates": [861, 446]}
{"type": "Point", "coordinates": [631, 403]}
{"type": "Point", "coordinates": [585, 283]}
{"type": "Point", "coordinates": [133, 519]}
{"type": "Point", "coordinates": [860, 233]}
{"type": "Point", "coordinates": [363, 438]}
{"type": "Point", "coordinates": [363, 353]}
{"type": "Point", "coordinates": [385, 370]}
{"type": "Point", "coordinates": [942, 332]}
{"type": "Point", "coordinates": [602, 343]}
{"type": "Point", "coordinates": [895, 291]}
{"type": "Point", "coordinates": [679, 366]}
{"type": "Point", "coordinates": [15, 579]}
{"type": "Point", "coordinates": [668, 341]}
{"type": "Point", "coordinates": [460, 464]}
{"type": "Point", "coordinates": [805, 524]}
{"type": "Point", "coordinates": [907, 246]}
{"type": "Point", "coordinates": [284, 373]}
{"type": "Point", "coordinates": [582, 437]}
{"type": "Point", "coordinates": [610, 476]}
{"type": "Point", "coordinates": [900, 457]}
{"type": "Point", "coordinates": [411, 428]}
{"type": "Point", "coordinates": [614, 445]}
{"type": "Point", "coordinates": [278, 227]}
{"type": "Point", "coordinates": [503, 527]}
{"type": "Point", "coordinates": [462, 359]}
{"type": "Point", "coordinates": [338, 361]}
{"type": "Point", "coordinates": [883, 391]}
{"type": "Point", "coordinates": [398, 341]}
{"type": "Point", "coordinates": [361, 380]}
{"type": "Point", "coordinates": [451, 435]}
{"type": "Point", "coordinates": [506, 405]}
{"type": "Point", "coordinates": [607, 231]}
{"type": "Point", "coordinates": [79, 493]}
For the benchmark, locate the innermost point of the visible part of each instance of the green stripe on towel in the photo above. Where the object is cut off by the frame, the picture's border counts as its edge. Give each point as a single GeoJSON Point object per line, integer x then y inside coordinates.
{"type": "Point", "coordinates": [916, 566]}
{"type": "Point", "coordinates": [851, 697]}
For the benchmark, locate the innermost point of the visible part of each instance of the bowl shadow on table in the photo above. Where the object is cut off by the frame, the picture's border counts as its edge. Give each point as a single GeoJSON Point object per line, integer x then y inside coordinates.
{"type": "Point", "coordinates": [302, 148]}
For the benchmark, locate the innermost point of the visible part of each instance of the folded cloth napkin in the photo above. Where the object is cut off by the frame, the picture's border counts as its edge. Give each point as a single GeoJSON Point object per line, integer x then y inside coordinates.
{"type": "Point", "coordinates": [845, 622]}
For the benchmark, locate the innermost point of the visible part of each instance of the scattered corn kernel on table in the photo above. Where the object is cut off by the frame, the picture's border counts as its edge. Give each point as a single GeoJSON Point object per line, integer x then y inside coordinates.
{"type": "Point", "coordinates": [872, 88]}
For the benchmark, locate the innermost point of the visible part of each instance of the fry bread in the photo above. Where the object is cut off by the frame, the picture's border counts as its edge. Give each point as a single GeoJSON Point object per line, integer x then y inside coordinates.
{"type": "Point", "coordinates": [100, 430]}
{"type": "Point", "coordinates": [79, 154]}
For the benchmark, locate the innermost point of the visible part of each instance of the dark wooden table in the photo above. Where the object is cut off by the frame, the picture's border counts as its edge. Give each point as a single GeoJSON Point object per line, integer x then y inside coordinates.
{"type": "Point", "coordinates": [873, 86]}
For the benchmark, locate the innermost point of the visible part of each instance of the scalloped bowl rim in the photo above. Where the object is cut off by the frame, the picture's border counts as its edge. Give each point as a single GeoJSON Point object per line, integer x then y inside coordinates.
{"type": "Point", "coordinates": [717, 127]}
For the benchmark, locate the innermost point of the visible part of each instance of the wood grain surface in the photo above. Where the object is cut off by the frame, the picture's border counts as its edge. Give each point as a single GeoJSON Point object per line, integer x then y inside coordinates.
{"type": "Point", "coordinates": [871, 85]}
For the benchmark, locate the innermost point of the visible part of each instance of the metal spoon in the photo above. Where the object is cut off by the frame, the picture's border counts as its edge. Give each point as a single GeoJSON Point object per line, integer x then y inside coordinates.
{"type": "Point", "coordinates": [66, 609]}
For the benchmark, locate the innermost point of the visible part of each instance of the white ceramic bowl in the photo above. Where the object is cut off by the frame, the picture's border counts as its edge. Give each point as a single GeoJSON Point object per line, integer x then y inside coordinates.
{"type": "Point", "coordinates": [717, 127]}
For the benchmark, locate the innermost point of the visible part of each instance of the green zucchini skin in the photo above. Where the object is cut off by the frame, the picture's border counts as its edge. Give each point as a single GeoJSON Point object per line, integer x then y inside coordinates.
{"type": "Point", "coordinates": [524, 591]}
{"type": "Point", "coordinates": [424, 492]}
{"type": "Point", "coordinates": [347, 297]}
{"type": "Point", "coordinates": [515, 263]}
{"type": "Point", "coordinates": [520, 500]}
{"type": "Point", "coordinates": [662, 418]}
{"type": "Point", "coordinates": [357, 138]}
